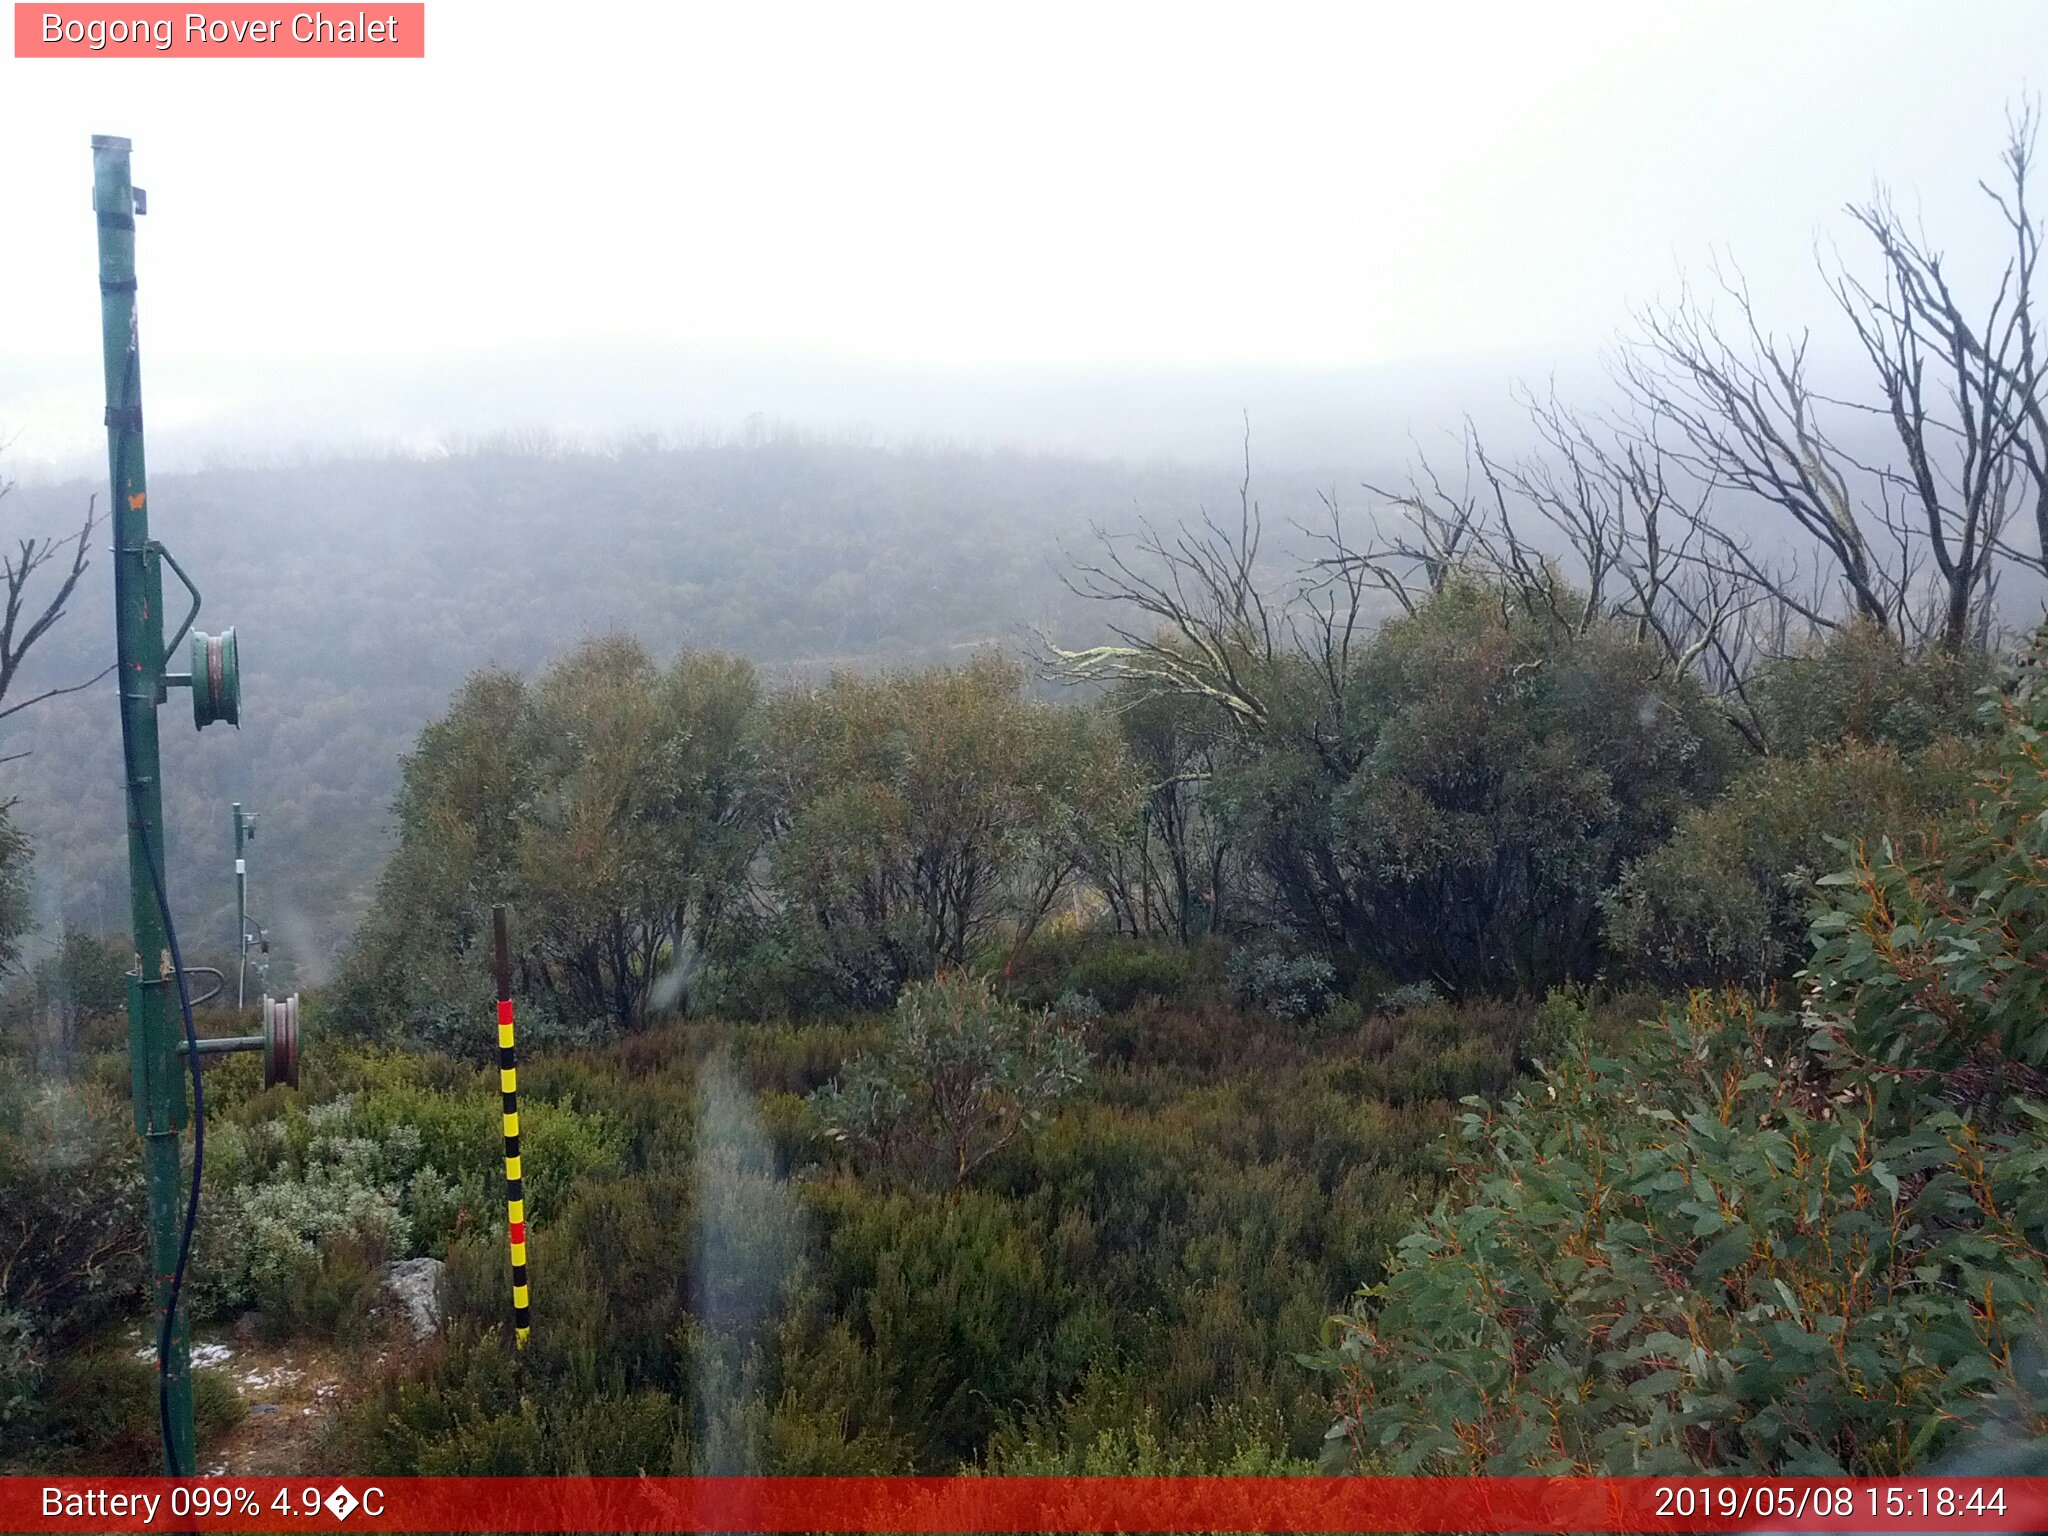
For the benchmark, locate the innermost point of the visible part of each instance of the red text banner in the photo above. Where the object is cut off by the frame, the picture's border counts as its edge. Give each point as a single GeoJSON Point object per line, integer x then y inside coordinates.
{"type": "Point", "coordinates": [998, 1504]}
{"type": "Point", "coordinates": [225, 31]}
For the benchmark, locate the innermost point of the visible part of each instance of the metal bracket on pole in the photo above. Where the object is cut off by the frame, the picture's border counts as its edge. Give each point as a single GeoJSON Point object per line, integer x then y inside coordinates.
{"type": "Point", "coordinates": [279, 1042]}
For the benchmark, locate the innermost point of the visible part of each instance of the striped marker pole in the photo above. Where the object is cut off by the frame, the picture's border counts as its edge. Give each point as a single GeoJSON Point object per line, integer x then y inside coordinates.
{"type": "Point", "coordinates": [515, 1182]}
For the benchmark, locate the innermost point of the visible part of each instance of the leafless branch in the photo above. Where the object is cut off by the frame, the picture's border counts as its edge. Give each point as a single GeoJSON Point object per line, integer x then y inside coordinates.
{"type": "Point", "coordinates": [25, 618]}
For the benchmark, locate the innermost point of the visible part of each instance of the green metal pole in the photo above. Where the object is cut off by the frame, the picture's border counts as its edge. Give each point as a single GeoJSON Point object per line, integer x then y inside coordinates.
{"type": "Point", "coordinates": [241, 910]}
{"type": "Point", "coordinates": [158, 1076]}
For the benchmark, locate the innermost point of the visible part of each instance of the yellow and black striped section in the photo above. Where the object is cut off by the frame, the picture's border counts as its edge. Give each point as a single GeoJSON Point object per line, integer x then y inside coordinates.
{"type": "Point", "coordinates": [515, 1180]}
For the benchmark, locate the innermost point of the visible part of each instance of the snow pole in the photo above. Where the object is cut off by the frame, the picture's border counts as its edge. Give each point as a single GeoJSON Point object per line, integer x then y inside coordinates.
{"type": "Point", "coordinates": [515, 1181]}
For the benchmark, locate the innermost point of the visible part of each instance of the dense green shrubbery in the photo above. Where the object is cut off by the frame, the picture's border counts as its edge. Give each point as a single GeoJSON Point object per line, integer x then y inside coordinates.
{"type": "Point", "coordinates": [1484, 796]}
{"type": "Point", "coordinates": [726, 1298]}
{"type": "Point", "coordinates": [102, 1410]}
{"type": "Point", "coordinates": [72, 1264]}
{"type": "Point", "coordinates": [1693, 1257]}
{"type": "Point", "coordinates": [1452, 807]}
{"type": "Point", "coordinates": [964, 1307]}
{"type": "Point", "coordinates": [1861, 686]}
{"type": "Point", "coordinates": [610, 801]}
{"type": "Point", "coordinates": [1929, 955]}
{"type": "Point", "coordinates": [1116, 973]}
{"type": "Point", "coordinates": [1727, 898]}
{"type": "Point", "coordinates": [1287, 986]}
{"type": "Point", "coordinates": [16, 885]}
{"type": "Point", "coordinates": [1107, 1428]}
{"type": "Point", "coordinates": [1869, 742]}
{"type": "Point", "coordinates": [301, 1238]}
{"type": "Point", "coordinates": [72, 1240]}
{"type": "Point", "coordinates": [1634, 1273]}
{"type": "Point", "coordinates": [307, 1201]}
{"type": "Point", "coordinates": [920, 817]}
{"type": "Point", "coordinates": [670, 839]}
{"type": "Point", "coordinates": [85, 978]}
{"type": "Point", "coordinates": [1759, 1242]}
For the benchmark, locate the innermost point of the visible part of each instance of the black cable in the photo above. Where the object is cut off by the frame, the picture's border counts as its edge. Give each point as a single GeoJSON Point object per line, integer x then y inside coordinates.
{"type": "Point", "coordinates": [163, 1340]}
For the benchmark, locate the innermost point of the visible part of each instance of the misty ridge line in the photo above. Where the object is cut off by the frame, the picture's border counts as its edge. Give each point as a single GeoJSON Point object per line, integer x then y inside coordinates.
{"type": "Point", "coordinates": [1307, 420]}
{"type": "Point", "coordinates": [366, 590]}
{"type": "Point", "coordinates": [758, 432]}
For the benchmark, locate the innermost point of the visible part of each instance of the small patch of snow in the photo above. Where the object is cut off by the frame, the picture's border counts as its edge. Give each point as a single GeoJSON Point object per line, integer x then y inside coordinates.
{"type": "Point", "coordinates": [202, 1354]}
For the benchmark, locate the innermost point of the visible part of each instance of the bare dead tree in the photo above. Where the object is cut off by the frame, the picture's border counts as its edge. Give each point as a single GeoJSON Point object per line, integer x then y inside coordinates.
{"type": "Point", "coordinates": [1601, 525]}
{"type": "Point", "coordinates": [1437, 532]}
{"type": "Point", "coordinates": [1626, 519]}
{"type": "Point", "coordinates": [40, 576]}
{"type": "Point", "coordinates": [1510, 521]}
{"type": "Point", "coordinates": [1332, 604]}
{"type": "Point", "coordinates": [1747, 420]}
{"type": "Point", "coordinates": [1974, 436]}
{"type": "Point", "coordinates": [1205, 629]}
{"type": "Point", "coordinates": [1649, 558]}
{"type": "Point", "coordinates": [2024, 363]}
{"type": "Point", "coordinates": [1912, 542]}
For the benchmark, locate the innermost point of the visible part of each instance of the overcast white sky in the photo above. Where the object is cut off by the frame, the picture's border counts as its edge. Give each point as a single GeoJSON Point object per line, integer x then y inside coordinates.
{"type": "Point", "coordinates": [966, 188]}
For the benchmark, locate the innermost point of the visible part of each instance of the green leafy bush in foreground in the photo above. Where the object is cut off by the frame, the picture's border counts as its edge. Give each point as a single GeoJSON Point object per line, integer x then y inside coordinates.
{"type": "Point", "coordinates": [1713, 1254]}
{"type": "Point", "coordinates": [1759, 1242]}
{"type": "Point", "coordinates": [307, 1200]}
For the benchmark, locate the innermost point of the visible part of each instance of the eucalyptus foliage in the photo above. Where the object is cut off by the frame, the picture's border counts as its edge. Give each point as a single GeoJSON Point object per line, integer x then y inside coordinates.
{"type": "Point", "coordinates": [920, 816]}
{"type": "Point", "coordinates": [609, 802]}
{"type": "Point", "coordinates": [1759, 1241]}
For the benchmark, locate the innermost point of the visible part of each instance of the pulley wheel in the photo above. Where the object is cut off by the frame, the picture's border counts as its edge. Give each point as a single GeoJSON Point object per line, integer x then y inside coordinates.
{"type": "Point", "coordinates": [281, 1041]}
{"type": "Point", "coordinates": [216, 679]}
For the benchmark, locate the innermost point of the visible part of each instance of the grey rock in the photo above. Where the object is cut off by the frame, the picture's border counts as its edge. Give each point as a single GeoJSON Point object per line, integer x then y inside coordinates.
{"type": "Point", "coordinates": [415, 1285]}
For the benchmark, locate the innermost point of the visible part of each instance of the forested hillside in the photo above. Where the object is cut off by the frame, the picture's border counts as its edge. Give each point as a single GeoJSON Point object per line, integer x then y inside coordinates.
{"type": "Point", "coordinates": [365, 591]}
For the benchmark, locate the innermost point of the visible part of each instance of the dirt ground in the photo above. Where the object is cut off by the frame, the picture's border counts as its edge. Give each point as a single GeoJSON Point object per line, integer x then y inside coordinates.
{"type": "Point", "coordinates": [290, 1391]}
